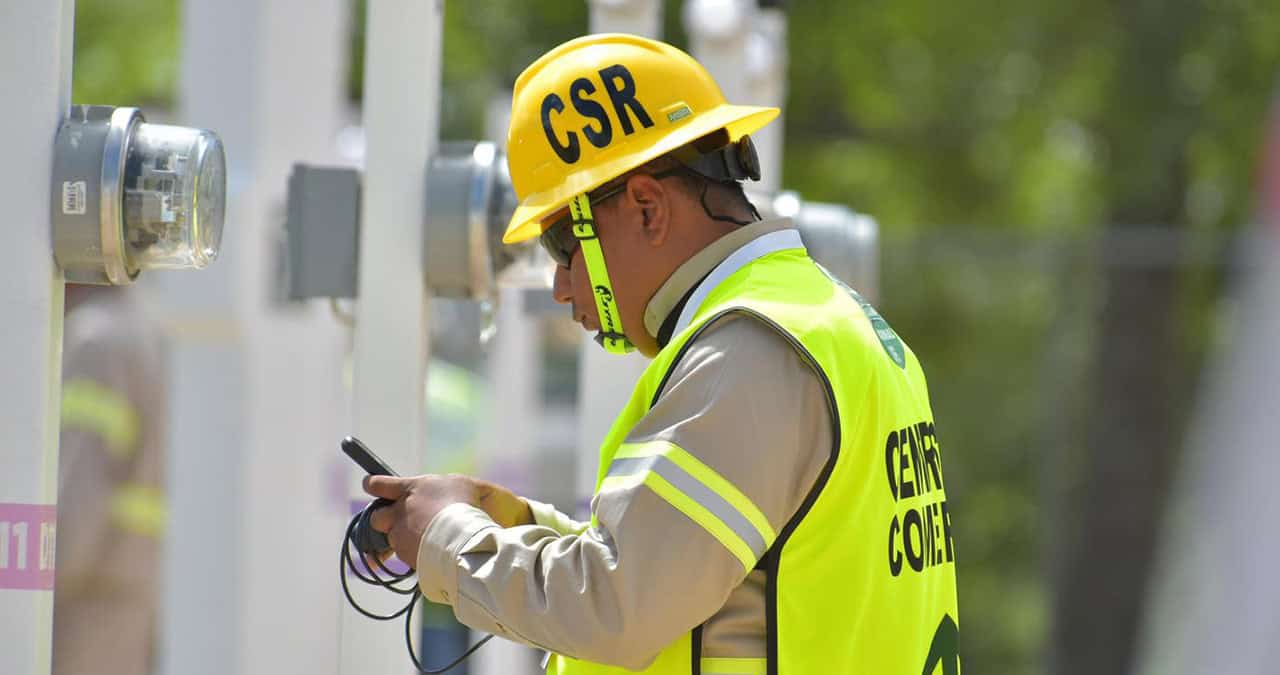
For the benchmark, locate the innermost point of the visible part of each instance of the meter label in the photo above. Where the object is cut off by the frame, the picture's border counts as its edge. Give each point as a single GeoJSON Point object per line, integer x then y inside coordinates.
{"type": "Point", "coordinates": [74, 197]}
{"type": "Point", "coordinates": [28, 533]}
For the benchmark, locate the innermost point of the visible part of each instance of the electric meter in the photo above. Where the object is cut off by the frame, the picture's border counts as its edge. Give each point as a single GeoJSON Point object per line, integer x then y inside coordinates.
{"type": "Point", "coordinates": [131, 196]}
{"type": "Point", "coordinates": [470, 200]}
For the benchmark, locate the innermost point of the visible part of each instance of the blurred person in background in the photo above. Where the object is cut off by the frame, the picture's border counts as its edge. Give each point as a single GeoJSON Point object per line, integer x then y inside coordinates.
{"type": "Point", "coordinates": [771, 498]}
{"type": "Point", "coordinates": [111, 504]}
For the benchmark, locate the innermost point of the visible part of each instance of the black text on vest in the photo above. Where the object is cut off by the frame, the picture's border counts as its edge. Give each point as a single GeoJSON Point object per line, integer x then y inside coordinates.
{"type": "Point", "coordinates": [920, 531]}
{"type": "Point", "coordinates": [620, 87]}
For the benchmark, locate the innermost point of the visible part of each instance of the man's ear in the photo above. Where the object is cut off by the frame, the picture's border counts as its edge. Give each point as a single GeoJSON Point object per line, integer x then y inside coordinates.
{"type": "Point", "coordinates": [654, 200]}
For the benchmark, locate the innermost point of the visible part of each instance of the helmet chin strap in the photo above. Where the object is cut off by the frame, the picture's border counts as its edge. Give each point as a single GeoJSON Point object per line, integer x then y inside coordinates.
{"type": "Point", "coordinates": [611, 336]}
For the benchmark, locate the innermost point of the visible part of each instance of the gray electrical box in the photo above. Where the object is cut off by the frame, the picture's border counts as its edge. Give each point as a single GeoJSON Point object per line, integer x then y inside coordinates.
{"type": "Point", "coordinates": [469, 201]}
{"type": "Point", "coordinates": [322, 233]}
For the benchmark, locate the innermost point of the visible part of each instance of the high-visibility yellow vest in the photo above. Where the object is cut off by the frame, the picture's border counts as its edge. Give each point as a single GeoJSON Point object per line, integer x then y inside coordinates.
{"type": "Point", "coordinates": [862, 578]}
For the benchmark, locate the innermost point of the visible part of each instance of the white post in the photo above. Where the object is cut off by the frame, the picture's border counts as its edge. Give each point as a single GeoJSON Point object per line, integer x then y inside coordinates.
{"type": "Point", "coordinates": [401, 118]}
{"type": "Point", "coordinates": [717, 39]}
{"type": "Point", "coordinates": [638, 17]}
{"type": "Point", "coordinates": [35, 86]}
{"type": "Point", "coordinates": [745, 50]}
{"type": "Point", "coordinates": [605, 380]}
{"type": "Point", "coordinates": [508, 444]}
{"type": "Point", "coordinates": [767, 86]}
{"type": "Point", "coordinates": [1212, 607]}
{"type": "Point", "coordinates": [257, 396]}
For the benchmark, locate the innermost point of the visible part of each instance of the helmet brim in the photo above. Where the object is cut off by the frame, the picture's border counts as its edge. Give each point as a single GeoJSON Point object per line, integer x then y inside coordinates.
{"type": "Point", "coordinates": [738, 120]}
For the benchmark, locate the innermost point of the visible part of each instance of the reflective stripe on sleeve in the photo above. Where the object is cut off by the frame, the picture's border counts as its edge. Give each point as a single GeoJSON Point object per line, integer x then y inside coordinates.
{"type": "Point", "coordinates": [99, 410]}
{"type": "Point", "coordinates": [139, 509]}
{"type": "Point", "coordinates": [698, 492]}
{"type": "Point", "coordinates": [725, 666]}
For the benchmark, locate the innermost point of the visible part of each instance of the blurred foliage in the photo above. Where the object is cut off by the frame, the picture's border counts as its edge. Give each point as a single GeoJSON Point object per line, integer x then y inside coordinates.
{"type": "Point", "coordinates": [1039, 123]}
{"type": "Point", "coordinates": [1034, 125]}
{"type": "Point", "coordinates": [126, 53]}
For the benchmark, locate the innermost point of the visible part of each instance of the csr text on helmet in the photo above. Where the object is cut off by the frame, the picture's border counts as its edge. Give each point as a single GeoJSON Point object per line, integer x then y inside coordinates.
{"type": "Point", "coordinates": [618, 83]}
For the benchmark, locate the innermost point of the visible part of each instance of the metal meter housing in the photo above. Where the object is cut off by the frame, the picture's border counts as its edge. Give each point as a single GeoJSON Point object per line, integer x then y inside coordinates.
{"type": "Point", "coordinates": [129, 196]}
{"type": "Point", "coordinates": [469, 200]}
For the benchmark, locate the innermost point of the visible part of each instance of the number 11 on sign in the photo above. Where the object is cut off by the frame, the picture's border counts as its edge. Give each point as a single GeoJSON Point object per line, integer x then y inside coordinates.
{"type": "Point", "coordinates": [20, 536]}
{"type": "Point", "coordinates": [19, 531]}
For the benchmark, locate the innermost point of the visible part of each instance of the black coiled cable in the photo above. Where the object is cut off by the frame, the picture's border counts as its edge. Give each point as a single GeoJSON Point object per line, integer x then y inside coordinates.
{"type": "Point", "coordinates": [345, 565]}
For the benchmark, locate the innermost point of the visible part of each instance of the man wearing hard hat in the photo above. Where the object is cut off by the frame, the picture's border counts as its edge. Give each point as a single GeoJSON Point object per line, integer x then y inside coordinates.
{"type": "Point", "coordinates": [771, 498]}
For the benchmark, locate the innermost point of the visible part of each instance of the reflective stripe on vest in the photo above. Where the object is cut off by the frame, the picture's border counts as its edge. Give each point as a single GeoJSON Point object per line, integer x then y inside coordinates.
{"type": "Point", "coordinates": [91, 407]}
{"type": "Point", "coordinates": [837, 599]}
{"type": "Point", "coordinates": [139, 509]}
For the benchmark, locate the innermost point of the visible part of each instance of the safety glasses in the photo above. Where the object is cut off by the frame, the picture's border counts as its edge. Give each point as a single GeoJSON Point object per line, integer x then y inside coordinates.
{"type": "Point", "coordinates": [558, 239]}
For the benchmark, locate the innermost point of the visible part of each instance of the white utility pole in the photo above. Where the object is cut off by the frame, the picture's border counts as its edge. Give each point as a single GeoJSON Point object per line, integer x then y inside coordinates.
{"type": "Point", "coordinates": [745, 50]}
{"type": "Point", "coordinates": [718, 32]}
{"type": "Point", "coordinates": [1210, 612]}
{"type": "Point", "coordinates": [638, 17]}
{"type": "Point", "coordinates": [35, 86]}
{"type": "Point", "coordinates": [256, 387]}
{"type": "Point", "coordinates": [507, 451]}
{"type": "Point", "coordinates": [401, 121]}
{"type": "Point", "coordinates": [605, 380]}
{"type": "Point", "coordinates": [508, 446]}
{"type": "Point", "coordinates": [766, 46]}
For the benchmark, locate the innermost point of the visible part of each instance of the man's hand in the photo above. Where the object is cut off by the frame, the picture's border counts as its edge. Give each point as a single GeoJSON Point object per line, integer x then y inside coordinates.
{"type": "Point", "coordinates": [419, 498]}
{"type": "Point", "coordinates": [502, 505]}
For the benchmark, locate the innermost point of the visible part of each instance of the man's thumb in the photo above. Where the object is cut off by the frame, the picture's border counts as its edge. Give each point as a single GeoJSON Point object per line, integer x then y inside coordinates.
{"type": "Point", "coordinates": [387, 487]}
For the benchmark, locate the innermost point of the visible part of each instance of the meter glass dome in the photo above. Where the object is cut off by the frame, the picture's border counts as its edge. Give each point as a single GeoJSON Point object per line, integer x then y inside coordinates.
{"type": "Point", "coordinates": [175, 196]}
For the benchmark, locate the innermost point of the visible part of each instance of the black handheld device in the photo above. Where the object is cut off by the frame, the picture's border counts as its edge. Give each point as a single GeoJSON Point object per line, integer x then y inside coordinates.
{"type": "Point", "coordinates": [370, 541]}
{"type": "Point", "coordinates": [365, 538]}
{"type": "Point", "coordinates": [362, 455]}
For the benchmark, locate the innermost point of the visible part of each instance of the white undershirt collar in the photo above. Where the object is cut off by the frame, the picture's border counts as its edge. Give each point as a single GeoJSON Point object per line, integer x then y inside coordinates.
{"type": "Point", "coordinates": [753, 250]}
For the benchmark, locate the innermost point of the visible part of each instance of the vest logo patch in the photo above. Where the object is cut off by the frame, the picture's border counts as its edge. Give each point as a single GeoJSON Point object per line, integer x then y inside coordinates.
{"type": "Point", "coordinates": [884, 332]}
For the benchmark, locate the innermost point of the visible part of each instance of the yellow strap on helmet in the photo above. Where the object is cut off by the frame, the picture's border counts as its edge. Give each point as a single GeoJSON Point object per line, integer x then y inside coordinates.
{"type": "Point", "coordinates": [611, 336]}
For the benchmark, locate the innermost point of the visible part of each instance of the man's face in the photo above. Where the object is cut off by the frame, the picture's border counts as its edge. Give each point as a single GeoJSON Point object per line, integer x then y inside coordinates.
{"type": "Point", "coordinates": [633, 226]}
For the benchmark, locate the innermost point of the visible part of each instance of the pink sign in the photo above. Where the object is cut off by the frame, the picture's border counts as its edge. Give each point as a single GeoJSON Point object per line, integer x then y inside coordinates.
{"type": "Point", "coordinates": [27, 536]}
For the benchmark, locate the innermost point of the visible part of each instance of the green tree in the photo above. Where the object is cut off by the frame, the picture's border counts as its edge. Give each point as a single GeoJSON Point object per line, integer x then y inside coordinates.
{"type": "Point", "coordinates": [126, 53]}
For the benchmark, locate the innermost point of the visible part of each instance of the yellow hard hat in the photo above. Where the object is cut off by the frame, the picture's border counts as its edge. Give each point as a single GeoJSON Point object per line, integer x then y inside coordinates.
{"type": "Point", "coordinates": [598, 106]}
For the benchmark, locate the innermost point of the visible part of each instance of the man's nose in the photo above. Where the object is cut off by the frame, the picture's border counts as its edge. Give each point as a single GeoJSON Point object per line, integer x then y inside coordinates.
{"type": "Point", "coordinates": [561, 286]}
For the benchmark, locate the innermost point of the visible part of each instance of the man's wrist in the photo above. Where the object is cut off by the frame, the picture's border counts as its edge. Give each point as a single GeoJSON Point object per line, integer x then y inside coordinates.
{"type": "Point", "coordinates": [526, 516]}
{"type": "Point", "coordinates": [447, 533]}
{"type": "Point", "coordinates": [547, 515]}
